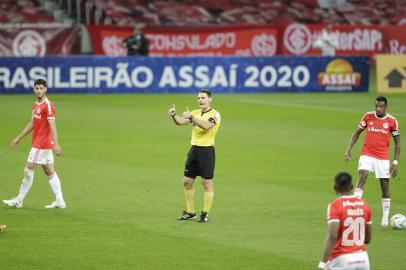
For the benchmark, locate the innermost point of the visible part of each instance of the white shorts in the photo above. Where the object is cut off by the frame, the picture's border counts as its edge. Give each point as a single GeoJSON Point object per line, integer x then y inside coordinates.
{"type": "Point", "coordinates": [379, 166]}
{"type": "Point", "coordinates": [41, 156]}
{"type": "Point", "coordinates": [351, 261]}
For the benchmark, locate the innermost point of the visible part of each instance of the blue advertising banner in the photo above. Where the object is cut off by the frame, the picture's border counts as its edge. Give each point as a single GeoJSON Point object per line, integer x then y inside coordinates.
{"type": "Point", "coordinates": [90, 74]}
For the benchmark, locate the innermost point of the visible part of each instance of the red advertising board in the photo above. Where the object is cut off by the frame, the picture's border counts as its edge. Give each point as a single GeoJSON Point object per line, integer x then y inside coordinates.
{"type": "Point", "coordinates": [294, 39]}
{"type": "Point", "coordinates": [171, 41]}
{"type": "Point", "coordinates": [300, 39]}
{"type": "Point", "coordinates": [395, 39]}
{"type": "Point", "coordinates": [38, 41]}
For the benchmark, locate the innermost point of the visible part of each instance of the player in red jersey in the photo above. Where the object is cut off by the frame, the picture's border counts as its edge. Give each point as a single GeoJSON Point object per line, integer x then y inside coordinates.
{"type": "Point", "coordinates": [349, 229]}
{"type": "Point", "coordinates": [44, 140]}
{"type": "Point", "coordinates": [379, 126]}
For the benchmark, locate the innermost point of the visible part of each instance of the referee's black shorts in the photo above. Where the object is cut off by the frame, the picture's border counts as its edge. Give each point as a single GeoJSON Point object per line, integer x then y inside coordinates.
{"type": "Point", "coordinates": [200, 162]}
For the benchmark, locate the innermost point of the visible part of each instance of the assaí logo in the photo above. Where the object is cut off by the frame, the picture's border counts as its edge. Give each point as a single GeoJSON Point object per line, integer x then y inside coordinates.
{"type": "Point", "coordinates": [339, 75]}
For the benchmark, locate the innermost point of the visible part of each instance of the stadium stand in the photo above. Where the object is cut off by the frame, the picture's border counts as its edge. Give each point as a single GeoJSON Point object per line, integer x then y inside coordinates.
{"type": "Point", "coordinates": [188, 12]}
{"type": "Point", "coordinates": [205, 12]}
{"type": "Point", "coordinates": [31, 12]}
{"type": "Point", "coordinates": [24, 11]}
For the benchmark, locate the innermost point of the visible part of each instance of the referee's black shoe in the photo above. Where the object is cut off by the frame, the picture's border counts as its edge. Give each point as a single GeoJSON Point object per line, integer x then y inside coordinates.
{"type": "Point", "coordinates": [186, 216]}
{"type": "Point", "coordinates": [203, 217]}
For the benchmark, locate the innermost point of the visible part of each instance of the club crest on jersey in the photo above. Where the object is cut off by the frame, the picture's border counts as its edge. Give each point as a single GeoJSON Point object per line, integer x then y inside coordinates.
{"type": "Point", "coordinates": [385, 125]}
{"type": "Point", "coordinates": [371, 123]}
{"type": "Point", "coordinates": [36, 113]}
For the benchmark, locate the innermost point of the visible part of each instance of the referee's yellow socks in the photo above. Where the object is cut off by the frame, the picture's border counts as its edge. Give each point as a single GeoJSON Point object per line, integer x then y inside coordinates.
{"type": "Point", "coordinates": [208, 200]}
{"type": "Point", "coordinates": [190, 200]}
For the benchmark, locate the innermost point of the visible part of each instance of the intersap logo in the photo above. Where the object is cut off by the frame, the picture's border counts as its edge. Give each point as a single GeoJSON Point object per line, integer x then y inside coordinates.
{"type": "Point", "coordinates": [339, 75]}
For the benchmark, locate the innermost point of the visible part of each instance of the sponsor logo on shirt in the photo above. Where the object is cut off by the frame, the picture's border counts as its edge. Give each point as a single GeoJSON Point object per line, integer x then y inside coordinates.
{"type": "Point", "coordinates": [356, 203]}
{"type": "Point", "coordinates": [377, 130]}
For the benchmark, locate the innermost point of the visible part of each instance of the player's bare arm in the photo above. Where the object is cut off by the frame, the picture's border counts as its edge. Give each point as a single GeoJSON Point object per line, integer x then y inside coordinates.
{"type": "Point", "coordinates": [368, 233]}
{"type": "Point", "coordinates": [57, 148]}
{"type": "Point", "coordinates": [353, 140]}
{"type": "Point", "coordinates": [178, 120]}
{"type": "Point", "coordinates": [28, 128]}
{"type": "Point", "coordinates": [394, 166]}
{"type": "Point", "coordinates": [331, 241]}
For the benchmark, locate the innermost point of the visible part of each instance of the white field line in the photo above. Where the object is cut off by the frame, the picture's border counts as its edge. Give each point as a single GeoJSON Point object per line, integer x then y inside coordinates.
{"type": "Point", "coordinates": [302, 106]}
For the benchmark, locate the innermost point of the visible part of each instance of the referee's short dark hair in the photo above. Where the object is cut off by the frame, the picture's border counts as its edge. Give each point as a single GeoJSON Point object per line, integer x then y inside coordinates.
{"type": "Point", "coordinates": [343, 182]}
{"type": "Point", "coordinates": [205, 91]}
{"type": "Point", "coordinates": [40, 81]}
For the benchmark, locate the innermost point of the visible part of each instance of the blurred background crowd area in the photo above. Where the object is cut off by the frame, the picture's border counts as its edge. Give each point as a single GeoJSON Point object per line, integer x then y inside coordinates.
{"type": "Point", "coordinates": [204, 12]}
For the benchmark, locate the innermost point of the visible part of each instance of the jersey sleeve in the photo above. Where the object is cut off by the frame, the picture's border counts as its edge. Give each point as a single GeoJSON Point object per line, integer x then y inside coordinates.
{"type": "Point", "coordinates": [368, 214]}
{"type": "Point", "coordinates": [363, 122]}
{"type": "Point", "coordinates": [333, 213]}
{"type": "Point", "coordinates": [394, 128]}
{"type": "Point", "coordinates": [50, 112]}
{"type": "Point", "coordinates": [216, 119]}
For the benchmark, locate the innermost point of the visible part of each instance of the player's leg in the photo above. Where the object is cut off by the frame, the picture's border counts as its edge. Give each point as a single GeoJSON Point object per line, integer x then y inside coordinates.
{"type": "Point", "coordinates": [190, 174]}
{"type": "Point", "coordinates": [362, 179]}
{"type": "Point", "coordinates": [55, 184]}
{"type": "Point", "coordinates": [2, 227]}
{"type": "Point", "coordinates": [206, 169]}
{"type": "Point", "coordinates": [386, 200]}
{"type": "Point", "coordinates": [365, 165]}
{"type": "Point", "coordinates": [27, 181]}
{"type": "Point", "coordinates": [189, 194]}
{"type": "Point", "coordinates": [382, 172]}
{"type": "Point", "coordinates": [208, 187]}
{"type": "Point", "coordinates": [190, 212]}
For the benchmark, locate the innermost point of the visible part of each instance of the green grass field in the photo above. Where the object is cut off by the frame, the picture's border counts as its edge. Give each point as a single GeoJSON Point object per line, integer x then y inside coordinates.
{"type": "Point", "coordinates": [121, 175]}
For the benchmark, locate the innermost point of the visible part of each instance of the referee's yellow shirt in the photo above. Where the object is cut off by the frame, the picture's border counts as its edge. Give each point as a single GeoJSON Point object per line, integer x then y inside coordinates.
{"type": "Point", "coordinates": [202, 137]}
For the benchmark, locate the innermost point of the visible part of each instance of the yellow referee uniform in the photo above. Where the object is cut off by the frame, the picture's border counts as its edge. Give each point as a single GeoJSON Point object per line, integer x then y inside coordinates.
{"type": "Point", "coordinates": [202, 137]}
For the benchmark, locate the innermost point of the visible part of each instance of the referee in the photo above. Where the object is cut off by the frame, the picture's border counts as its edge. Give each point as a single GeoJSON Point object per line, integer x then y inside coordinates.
{"type": "Point", "coordinates": [201, 157]}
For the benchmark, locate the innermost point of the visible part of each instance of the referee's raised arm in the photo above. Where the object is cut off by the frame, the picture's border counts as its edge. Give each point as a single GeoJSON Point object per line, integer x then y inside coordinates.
{"type": "Point", "coordinates": [178, 120]}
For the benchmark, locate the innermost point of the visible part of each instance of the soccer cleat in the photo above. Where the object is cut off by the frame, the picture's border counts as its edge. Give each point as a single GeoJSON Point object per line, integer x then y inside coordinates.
{"type": "Point", "coordinates": [204, 217]}
{"type": "Point", "coordinates": [2, 227]}
{"type": "Point", "coordinates": [56, 204]}
{"type": "Point", "coordinates": [384, 223]}
{"type": "Point", "coordinates": [13, 203]}
{"type": "Point", "coordinates": [187, 216]}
